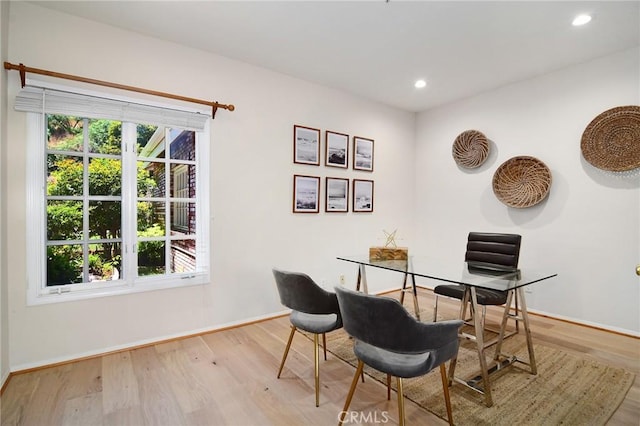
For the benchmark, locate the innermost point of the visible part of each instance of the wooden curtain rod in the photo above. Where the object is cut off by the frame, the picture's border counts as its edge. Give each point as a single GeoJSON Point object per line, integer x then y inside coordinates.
{"type": "Point", "coordinates": [23, 70]}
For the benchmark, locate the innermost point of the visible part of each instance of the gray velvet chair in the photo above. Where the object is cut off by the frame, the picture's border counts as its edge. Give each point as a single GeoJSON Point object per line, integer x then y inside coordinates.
{"type": "Point", "coordinates": [313, 309]}
{"type": "Point", "coordinates": [488, 253]}
{"type": "Point", "coordinates": [388, 339]}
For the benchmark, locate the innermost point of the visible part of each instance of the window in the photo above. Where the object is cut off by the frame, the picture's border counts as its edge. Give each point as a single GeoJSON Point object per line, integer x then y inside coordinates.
{"type": "Point", "coordinates": [181, 190]}
{"type": "Point", "coordinates": [83, 200]}
{"type": "Point", "coordinates": [124, 203]}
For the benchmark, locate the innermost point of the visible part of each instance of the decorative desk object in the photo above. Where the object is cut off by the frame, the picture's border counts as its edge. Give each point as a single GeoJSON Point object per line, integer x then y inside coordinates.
{"type": "Point", "coordinates": [612, 140]}
{"type": "Point", "coordinates": [390, 250]}
{"type": "Point", "coordinates": [522, 182]}
{"type": "Point", "coordinates": [470, 149]}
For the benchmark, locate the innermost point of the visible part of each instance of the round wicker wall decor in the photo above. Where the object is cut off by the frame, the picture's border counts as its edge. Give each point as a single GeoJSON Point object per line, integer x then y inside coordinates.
{"type": "Point", "coordinates": [612, 140]}
{"type": "Point", "coordinates": [470, 149]}
{"type": "Point", "coordinates": [522, 182]}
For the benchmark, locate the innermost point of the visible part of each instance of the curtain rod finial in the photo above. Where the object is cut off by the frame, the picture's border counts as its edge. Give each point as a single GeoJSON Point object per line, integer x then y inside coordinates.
{"type": "Point", "coordinates": [231, 107]}
{"type": "Point", "coordinates": [23, 75]}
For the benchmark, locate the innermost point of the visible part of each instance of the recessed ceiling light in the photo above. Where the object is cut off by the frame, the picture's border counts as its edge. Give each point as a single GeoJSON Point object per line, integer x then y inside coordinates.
{"type": "Point", "coordinates": [581, 20]}
{"type": "Point", "coordinates": [419, 84]}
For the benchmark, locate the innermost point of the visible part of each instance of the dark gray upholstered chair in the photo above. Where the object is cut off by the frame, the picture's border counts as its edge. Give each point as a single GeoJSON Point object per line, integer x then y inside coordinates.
{"type": "Point", "coordinates": [490, 253]}
{"type": "Point", "coordinates": [388, 339]}
{"type": "Point", "coordinates": [313, 309]}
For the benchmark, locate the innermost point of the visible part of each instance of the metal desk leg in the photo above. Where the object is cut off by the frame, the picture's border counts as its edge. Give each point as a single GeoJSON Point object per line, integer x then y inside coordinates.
{"type": "Point", "coordinates": [404, 287]}
{"type": "Point", "coordinates": [503, 325]}
{"type": "Point", "coordinates": [415, 297]}
{"type": "Point", "coordinates": [470, 296]}
{"type": "Point", "coordinates": [504, 359]}
{"type": "Point", "coordinates": [527, 330]}
{"type": "Point", "coordinates": [362, 279]}
{"type": "Point", "coordinates": [414, 292]}
{"type": "Point", "coordinates": [454, 361]}
{"type": "Point", "coordinates": [477, 322]}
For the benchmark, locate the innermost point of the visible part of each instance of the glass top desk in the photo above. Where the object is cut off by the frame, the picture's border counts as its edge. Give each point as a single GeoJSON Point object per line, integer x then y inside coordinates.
{"type": "Point", "coordinates": [471, 277]}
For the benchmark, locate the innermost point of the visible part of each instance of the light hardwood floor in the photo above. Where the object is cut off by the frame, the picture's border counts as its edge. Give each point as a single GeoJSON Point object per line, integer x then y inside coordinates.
{"type": "Point", "coordinates": [229, 378]}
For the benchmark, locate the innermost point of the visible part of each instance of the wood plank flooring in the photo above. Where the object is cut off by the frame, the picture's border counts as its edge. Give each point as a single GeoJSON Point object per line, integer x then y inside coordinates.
{"type": "Point", "coordinates": [229, 378]}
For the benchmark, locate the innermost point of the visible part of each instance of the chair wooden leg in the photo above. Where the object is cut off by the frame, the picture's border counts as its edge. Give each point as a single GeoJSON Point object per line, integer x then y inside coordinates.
{"type": "Point", "coordinates": [324, 345]}
{"type": "Point", "coordinates": [316, 369]}
{"type": "Point", "coordinates": [400, 403]}
{"type": "Point", "coordinates": [435, 309]}
{"type": "Point", "coordinates": [388, 387]}
{"type": "Point", "coordinates": [352, 389]}
{"type": "Point", "coordinates": [445, 388]}
{"type": "Point", "coordinates": [286, 351]}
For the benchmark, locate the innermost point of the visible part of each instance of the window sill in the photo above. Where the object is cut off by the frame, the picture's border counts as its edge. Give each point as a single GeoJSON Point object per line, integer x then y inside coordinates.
{"type": "Point", "coordinates": [141, 285]}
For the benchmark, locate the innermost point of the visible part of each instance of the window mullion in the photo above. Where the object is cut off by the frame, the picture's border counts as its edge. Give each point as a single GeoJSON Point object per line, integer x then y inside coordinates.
{"type": "Point", "coordinates": [167, 205]}
{"type": "Point", "coordinates": [85, 201]}
{"type": "Point", "coordinates": [202, 208]}
{"type": "Point", "coordinates": [129, 210]}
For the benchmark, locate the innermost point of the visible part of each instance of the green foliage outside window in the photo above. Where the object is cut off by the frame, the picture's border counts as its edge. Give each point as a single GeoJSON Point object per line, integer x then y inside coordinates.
{"type": "Point", "coordinates": [65, 178]}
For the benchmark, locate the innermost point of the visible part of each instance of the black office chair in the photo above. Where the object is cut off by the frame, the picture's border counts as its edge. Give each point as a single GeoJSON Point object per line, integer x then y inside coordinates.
{"type": "Point", "coordinates": [486, 252]}
{"type": "Point", "coordinates": [388, 339]}
{"type": "Point", "coordinates": [313, 309]}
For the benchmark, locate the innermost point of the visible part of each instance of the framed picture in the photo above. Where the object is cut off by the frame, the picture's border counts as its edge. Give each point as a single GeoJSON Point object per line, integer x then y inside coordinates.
{"type": "Point", "coordinates": [336, 149]}
{"type": "Point", "coordinates": [336, 195]}
{"type": "Point", "coordinates": [362, 154]}
{"type": "Point", "coordinates": [306, 145]}
{"type": "Point", "coordinates": [362, 195]}
{"type": "Point", "coordinates": [306, 193]}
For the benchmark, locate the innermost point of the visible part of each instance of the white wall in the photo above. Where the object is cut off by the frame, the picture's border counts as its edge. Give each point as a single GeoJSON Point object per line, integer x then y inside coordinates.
{"type": "Point", "coordinates": [4, 309]}
{"type": "Point", "coordinates": [588, 230]}
{"type": "Point", "coordinates": [252, 228]}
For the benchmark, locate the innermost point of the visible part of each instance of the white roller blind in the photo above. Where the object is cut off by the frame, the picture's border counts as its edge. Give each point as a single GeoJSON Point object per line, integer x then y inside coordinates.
{"type": "Point", "coordinates": [51, 101]}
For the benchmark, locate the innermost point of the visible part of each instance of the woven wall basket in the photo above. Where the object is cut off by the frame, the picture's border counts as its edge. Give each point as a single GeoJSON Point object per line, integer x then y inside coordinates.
{"type": "Point", "coordinates": [470, 149]}
{"type": "Point", "coordinates": [612, 140]}
{"type": "Point", "coordinates": [522, 182]}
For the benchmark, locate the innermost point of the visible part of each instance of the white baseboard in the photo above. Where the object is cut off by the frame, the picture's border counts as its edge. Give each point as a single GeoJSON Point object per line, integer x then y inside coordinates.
{"type": "Point", "coordinates": [132, 345]}
{"type": "Point", "coordinates": [586, 323]}
{"type": "Point", "coordinates": [4, 378]}
{"type": "Point", "coordinates": [572, 320]}
{"type": "Point", "coordinates": [160, 339]}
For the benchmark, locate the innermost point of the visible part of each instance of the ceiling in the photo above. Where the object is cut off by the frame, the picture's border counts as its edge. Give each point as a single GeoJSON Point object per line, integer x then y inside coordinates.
{"type": "Point", "coordinates": [377, 49]}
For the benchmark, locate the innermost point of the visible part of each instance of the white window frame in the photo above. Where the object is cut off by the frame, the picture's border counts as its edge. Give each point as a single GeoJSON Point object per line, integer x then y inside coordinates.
{"type": "Point", "coordinates": [181, 190]}
{"type": "Point", "coordinates": [128, 282]}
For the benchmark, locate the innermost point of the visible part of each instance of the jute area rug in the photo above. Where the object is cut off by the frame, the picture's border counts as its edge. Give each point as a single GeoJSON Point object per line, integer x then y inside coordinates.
{"type": "Point", "coordinates": [568, 389]}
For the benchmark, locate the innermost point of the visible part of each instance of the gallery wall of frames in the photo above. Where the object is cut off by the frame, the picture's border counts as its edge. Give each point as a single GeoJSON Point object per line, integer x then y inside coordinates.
{"type": "Point", "coordinates": [339, 151]}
